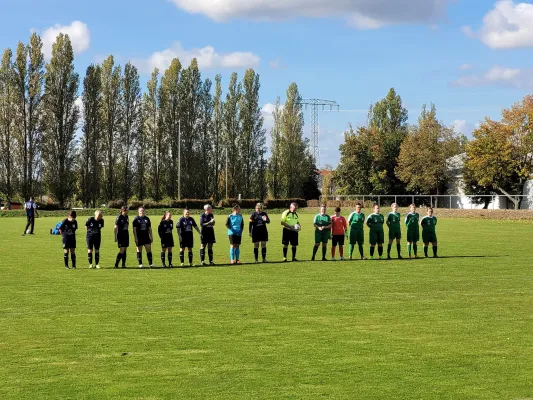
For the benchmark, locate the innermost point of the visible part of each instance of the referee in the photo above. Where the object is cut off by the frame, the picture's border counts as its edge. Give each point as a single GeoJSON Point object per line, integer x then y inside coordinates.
{"type": "Point", "coordinates": [31, 213]}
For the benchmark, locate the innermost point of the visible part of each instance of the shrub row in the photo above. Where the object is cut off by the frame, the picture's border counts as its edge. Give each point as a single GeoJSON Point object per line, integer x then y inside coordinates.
{"type": "Point", "coordinates": [268, 203]}
{"type": "Point", "coordinates": [191, 203]}
{"type": "Point", "coordinates": [341, 203]}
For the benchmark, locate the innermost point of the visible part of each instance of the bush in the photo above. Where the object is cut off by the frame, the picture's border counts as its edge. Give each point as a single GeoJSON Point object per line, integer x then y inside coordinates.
{"type": "Point", "coordinates": [48, 206]}
{"type": "Point", "coordinates": [195, 204]}
{"type": "Point", "coordinates": [115, 204]}
{"type": "Point", "coordinates": [285, 203]}
{"type": "Point", "coordinates": [244, 203]}
{"type": "Point", "coordinates": [350, 204]}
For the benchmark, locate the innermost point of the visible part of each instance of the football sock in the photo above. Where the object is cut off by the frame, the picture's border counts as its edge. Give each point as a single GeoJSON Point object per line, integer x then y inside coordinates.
{"type": "Point", "coordinates": [202, 255]}
{"type": "Point", "coordinates": [65, 259]}
{"type": "Point", "coordinates": [333, 252]}
{"type": "Point", "coordinates": [237, 254]}
{"type": "Point", "coordinates": [97, 258]}
{"type": "Point", "coordinates": [149, 255]}
{"type": "Point", "coordinates": [315, 249]}
{"type": "Point", "coordinates": [140, 257]}
{"type": "Point", "coordinates": [293, 252]}
{"type": "Point", "coordinates": [426, 251]}
{"type": "Point", "coordinates": [372, 248]}
{"type": "Point", "coordinates": [169, 255]}
{"type": "Point", "coordinates": [256, 253]}
{"type": "Point", "coordinates": [434, 250]}
{"type": "Point", "coordinates": [388, 249]}
{"type": "Point", "coordinates": [190, 257]}
{"type": "Point", "coordinates": [415, 248]}
{"type": "Point", "coordinates": [124, 258]}
{"type": "Point", "coordinates": [210, 253]}
{"type": "Point", "coordinates": [90, 257]}
{"type": "Point", "coordinates": [182, 257]}
{"type": "Point", "coordinates": [409, 250]}
{"type": "Point", "coordinates": [341, 251]}
{"type": "Point", "coordinates": [285, 252]}
{"type": "Point", "coordinates": [324, 251]}
{"type": "Point", "coordinates": [163, 257]}
{"type": "Point", "coordinates": [350, 249]}
{"type": "Point", "coordinates": [73, 259]}
{"type": "Point", "coordinates": [380, 250]}
{"type": "Point", "coordinates": [119, 257]}
{"type": "Point", "coordinates": [264, 252]}
{"type": "Point", "coordinates": [231, 253]}
{"type": "Point", "coordinates": [361, 252]}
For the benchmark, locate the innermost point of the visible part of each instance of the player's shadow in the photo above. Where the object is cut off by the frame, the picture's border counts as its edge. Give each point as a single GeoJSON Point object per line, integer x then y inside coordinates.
{"type": "Point", "coordinates": [475, 256]}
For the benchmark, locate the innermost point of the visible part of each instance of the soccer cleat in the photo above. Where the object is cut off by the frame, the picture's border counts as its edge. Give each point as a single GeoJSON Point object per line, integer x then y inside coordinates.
{"type": "Point", "coordinates": [295, 259]}
{"type": "Point", "coordinates": [116, 267]}
{"type": "Point", "coordinates": [170, 266]}
{"type": "Point", "coordinates": [211, 263]}
{"type": "Point", "coordinates": [324, 259]}
{"type": "Point", "coordinates": [371, 257]}
{"type": "Point", "coordinates": [363, 258]}
{"type": "Point", "coordinates": [389, 258]}
{"type": "Point", "coordinates": [191, 264]}
{"type": "Point", "coordinates": [400, 257]}
{"type": "Point", "coordinates": [285, 260]}
{"type": "Point", "coordinates": [343, 259]}
{"type": "Point", "coordinates": [256, 261]}
{"type": "Point", "coordinates": [232, 262]}
{"type": "Point", "coordinates": [152, 266]}
{"type": "Point", "coordinates": [435, 256]}
{"type": "Point", "coordinates": [238, 262]}
{"type": "Point", "coordinates": [73, 267]}
{"type": "Point", "coordinates": [141, 266]}
{"type": "Point", "coordinates": [123, 266]}
{"type": "Point", "coordinates": [97, 267]}
{"type": "Point", "coordinates": [66, 266]}
{"type": "Point", "coordinates": [202, 263]}
{"type": "Point", "coordinates": [381, 257]}
{"type": "Point", "coordinates": [333, 259]}
{"type": "Point", "coordinates": [182, 264]}
{"type": "Point", "coordinates": [312, 259]}
{"type": "Point", "coordinates": [90, 266]}
{"type": "Point", "coordinates": [265, 260]}
{"type": "Point", "coordinates": [350, 258]}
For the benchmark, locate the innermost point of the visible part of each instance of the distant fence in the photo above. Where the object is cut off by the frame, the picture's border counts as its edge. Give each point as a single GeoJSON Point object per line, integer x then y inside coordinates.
{"type": "Point", "coordinates": [454, 201]}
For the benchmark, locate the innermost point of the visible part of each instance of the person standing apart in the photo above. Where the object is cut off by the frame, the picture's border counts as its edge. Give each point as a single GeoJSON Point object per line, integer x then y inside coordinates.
{"type": "Point", "coordinates": [340, 229]}
{"type": "Point", "coordinates": [259, 232]}
{"type": "Point", "coordinates": [68, 232]}
{"type": "Point", "coordinates": [94, 227]}
{"type": "Point", "coordinates": [235, 225]}
{"type": "Point", "coordinates": [185, 226]}
{"type": "Point", "coordinates": [395, 231]}
{"type": "Point", "coordinates": [207, 238]}
{"type": "Point", "coordinates": [142, 232]}
{"type": "Point", "coordinates": [165, 228]}
{"type": "Point", "coordinates": [291, 228]}
{"type": "Point", "coordinates": [31, 212]}
{"type": "Point", "coordinates": [122, 236]}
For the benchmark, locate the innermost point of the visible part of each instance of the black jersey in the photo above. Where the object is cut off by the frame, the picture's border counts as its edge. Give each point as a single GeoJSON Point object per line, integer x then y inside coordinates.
{"type": "Point", "coordinates": [185, 226]}
{"type": "Point", "coordinates": [204, 219]}
{"type": "Point", "coordinates": [165, 228]}
{"type": "Point", "coordinates": [68, 228]}
{"type": "Point", "coordinates": [257, 221]}
{"type": "Point", "coordinates": [142, 225]}
{"type": "Point", "coordinates": [122, 223]}
{"type": "Point", "coordinates": [94, 226]}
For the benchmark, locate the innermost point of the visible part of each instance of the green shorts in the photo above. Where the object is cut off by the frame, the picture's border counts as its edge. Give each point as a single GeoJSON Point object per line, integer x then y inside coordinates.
{"type": "Point", "coordinates": [413, 236]}
{"type": "Point", "coordinates": [357, 236]}
{"type": "Point", "coordinates": [322, 236]}
{"type": "Point", "coordinates": [377, 237]}
{"type": "Point", "coordinates": [429, 237]}
{"type": "Point", "coordinates": [395, 234]}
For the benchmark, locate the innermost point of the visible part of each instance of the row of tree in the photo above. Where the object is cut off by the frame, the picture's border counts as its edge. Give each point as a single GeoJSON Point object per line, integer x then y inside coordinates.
{"type": "Point", "coordinates": [180, 138]}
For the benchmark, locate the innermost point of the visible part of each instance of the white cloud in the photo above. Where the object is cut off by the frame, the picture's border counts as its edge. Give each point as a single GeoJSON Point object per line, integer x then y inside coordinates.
{"type": "Point", "coordinates": [465, 67]}
{"type": "Point", "coordinates": [464, 127]}
{"type": "Point", "coordinates": [363, 14]}
{"type": "Point", "coordinates": [508, 25]}
{"type": "Point", "coordinates": [276, 64]}
{"type": "Point", "coordinates": [499, 76]}
{"type": "Point", "coordinates": [207, 58]}
{"type": "Point", "coordinates": [78, 32]}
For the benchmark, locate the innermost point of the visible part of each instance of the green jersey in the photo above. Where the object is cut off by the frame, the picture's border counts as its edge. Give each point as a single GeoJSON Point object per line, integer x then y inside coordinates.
{"type": "Point", "coordinates": [322, 220]}
{"type": "Point", "coordinates": [356, 221]}
{"type": "Point", "coordinates": [411, 221]}
{"type": "Point", "coordinates": [428, 224]}
{"type": "Point", "coordinates": [393, 221]}
{"type": "Point", "coordinates": [375, 222]}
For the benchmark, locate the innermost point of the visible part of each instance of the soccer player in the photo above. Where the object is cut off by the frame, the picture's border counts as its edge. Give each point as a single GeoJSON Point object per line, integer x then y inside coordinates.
{"type": "Point", "coordinates": [185, 234]}
{"type": "Point", "coordinates": [413, 233]}
{"type": "Point", "coordinates": [428, 224]}
{"type": "Point", "coordinates": [291, 227]}
{"type": "Point", "coordinates": [395, 231]}
{"type": "Point", "coordinates": [207, 223]}
{"type": "Point", "coordinates": [257, 228]}
{"type": "Point", "coordinates": [122, 236]}
{"type": "Point", "coordinates": [356, 221]}
{"type": "Point", "coordinates": [375, 222]}
{"type": "Point", "coordinates": [68, 231]}
{"type": "Point", "coordinates": [235, 225]}
{"type": "Point", "coordinates": [340, 229]}
{"type": "Point", "coordinates": [322, 224]}
{"type": "Point", "coordinates": [31, 213]}
{"type": "Point", "coordinates": [142, 232]}
{"type": "Point", "coordinates": [94, 227]}
{"type": "Point", "coordinates": [167, 239]}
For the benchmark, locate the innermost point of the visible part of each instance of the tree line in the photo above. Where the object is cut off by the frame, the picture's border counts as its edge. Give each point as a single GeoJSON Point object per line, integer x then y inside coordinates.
{"type": "Point", "coordinates": [180, 137]}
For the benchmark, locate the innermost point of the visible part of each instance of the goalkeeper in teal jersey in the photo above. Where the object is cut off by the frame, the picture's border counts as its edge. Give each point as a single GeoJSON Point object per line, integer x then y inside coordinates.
{"type": "Point", "coordinates": [322, 225]}
{"type": "Point", "coordinates": [428, 224]}
{"type": "Point", "coordinates": [395, 231]}
{"type": "Point", "coordinates": [413, 232]}
{"type": "Point", "coordinates": [375, 222]}
{"type": "Point", "coordinates": [356, 222]}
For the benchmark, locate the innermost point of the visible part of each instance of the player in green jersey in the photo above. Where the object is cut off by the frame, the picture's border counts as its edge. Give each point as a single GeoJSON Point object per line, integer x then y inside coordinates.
{"type": "Point", "coordinates": [413, 232]}
{"type": "Point", "coordinates": [375, 222]}
{"type": "Point", "coordinates": [428, 224]}
{"type": "Point", "coordinates": [356, 222]}
{"type": "Point", "coordinates": [395, 232]}
{"type": "Point", "coordinates": [322, 224]}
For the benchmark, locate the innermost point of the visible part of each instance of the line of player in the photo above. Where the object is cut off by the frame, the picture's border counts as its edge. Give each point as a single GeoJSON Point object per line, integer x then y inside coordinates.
{"type": "Point", "coordinates": [326, 228]}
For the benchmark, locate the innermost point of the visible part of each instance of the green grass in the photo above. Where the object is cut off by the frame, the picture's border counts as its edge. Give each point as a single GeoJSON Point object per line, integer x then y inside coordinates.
{"type": "Point", "coordinates": [459, 327]}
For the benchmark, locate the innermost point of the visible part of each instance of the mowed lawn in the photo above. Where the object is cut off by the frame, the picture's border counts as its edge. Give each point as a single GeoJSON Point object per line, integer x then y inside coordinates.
{"type": "Point", "coordinates": [458, 327]}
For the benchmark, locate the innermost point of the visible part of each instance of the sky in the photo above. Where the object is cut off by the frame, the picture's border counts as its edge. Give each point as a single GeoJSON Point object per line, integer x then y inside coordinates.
{"type": "Point", "coordinates": [471, 58]}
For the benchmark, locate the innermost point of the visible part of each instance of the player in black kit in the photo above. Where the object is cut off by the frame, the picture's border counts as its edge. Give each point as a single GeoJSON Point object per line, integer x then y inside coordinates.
{"type": "Point", "coordinates": [207, 223]}
{"type": "Point", "coordinates": [142, 231]}
{"type": "Point", "coordinates": [94, 226]}
{"type": "Point", "coordinates": [122, 236]}
{"type": "Point", "coordinates": [167, 239]}
{"type": "Point", "coordinates": [184, 226]}
{"type": "Point", "coordinates": [258, 231]}
{"type": "Point", "coordinates": [68, 231]}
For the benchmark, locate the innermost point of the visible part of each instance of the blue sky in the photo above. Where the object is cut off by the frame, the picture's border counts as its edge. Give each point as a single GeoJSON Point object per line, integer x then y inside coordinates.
{"type": "Point", "coordinates": [469, 57]}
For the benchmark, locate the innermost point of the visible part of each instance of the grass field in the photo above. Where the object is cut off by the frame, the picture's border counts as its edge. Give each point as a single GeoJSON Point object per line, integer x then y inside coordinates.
{"type": "Point", "coordinates": [458, 327]}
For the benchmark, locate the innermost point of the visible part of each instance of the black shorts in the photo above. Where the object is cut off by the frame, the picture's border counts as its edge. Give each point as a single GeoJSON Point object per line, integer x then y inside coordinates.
{"type": "Point", "coordinates": [123, 240]}
{"type": "Point", "coordinates": [338, 240]}
{"type": "Point", "coordinates": [93, 242]}
{"type": "Point", "coordinates": [69, 242]}
{"type": "Point", "coordinates": [167, 241]}
{"type": "Point", "coordinates": [143, 240]}
{"type": "Point", "coordinates": [208, 236]}
{"type": "Point", "coordinates": [187, 241]}
{"type": "Point", "coordinates": [235, 239]}
{"type": "Point", "coordinates": [259, 235]}
{"type": "Point", "coordinates": [289, 237]}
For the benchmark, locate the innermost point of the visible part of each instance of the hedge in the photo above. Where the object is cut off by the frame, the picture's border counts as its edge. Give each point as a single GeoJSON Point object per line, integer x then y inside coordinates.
{"type": "Point", "coordinates": [243, 203]}
{"type": "Point", "coordinates": [341, 203]}
{"type": "Point", "coordinates": [148, 204]}
{"type": "Point", "coordinates": [284, 203]}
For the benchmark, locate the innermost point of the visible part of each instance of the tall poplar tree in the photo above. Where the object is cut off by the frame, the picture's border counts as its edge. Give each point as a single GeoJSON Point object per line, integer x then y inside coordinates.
{"type": "Point", "coordinates": [231, 132]}
{"type": "Point", "coordinates": [218, 152]}
{"type": "Point", "coordinates": [7, 127]}
{"type": "Point", "coordinates": [207, 178]}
